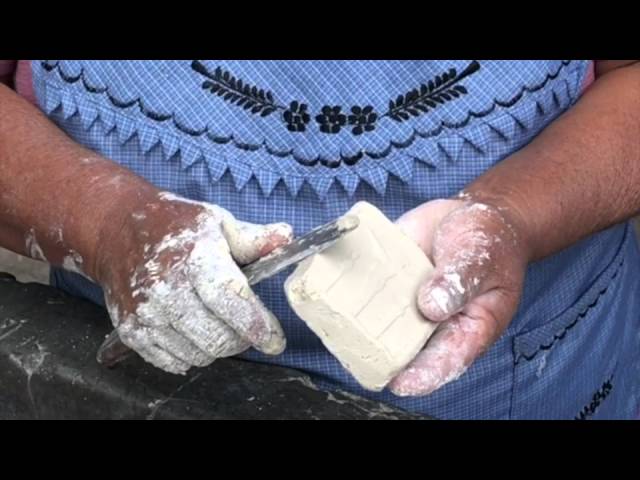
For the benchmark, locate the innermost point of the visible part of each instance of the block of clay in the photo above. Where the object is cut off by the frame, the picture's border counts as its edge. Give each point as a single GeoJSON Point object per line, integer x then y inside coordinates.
{"type": "Point", "coordinates": [359, 297]}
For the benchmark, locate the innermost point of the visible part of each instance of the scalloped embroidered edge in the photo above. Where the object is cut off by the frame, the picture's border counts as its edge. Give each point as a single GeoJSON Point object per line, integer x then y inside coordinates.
{"type": "Point", "coordinates": [392, 144]}
{"type": "Point", "coordinates": [560, 335]}
{"type": "Point", "coordinates": [247, 163]}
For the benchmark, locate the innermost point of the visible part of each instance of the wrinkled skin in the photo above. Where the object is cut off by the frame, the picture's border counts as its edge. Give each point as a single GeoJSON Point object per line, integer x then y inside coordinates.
{"type": "Point", "coordinates": [480, 263]}
{"type": "Point", "coordinates": [173, 287]}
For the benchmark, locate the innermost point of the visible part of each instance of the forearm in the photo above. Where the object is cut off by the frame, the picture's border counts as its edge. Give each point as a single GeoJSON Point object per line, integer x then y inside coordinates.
{"type": "Point", "coordinates": [56, 196]}
{"type": "Point", "coordinates": [580, 175]}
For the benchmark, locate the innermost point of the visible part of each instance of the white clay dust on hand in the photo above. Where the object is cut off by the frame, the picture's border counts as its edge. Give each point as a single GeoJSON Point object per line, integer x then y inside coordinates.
{"type": "Point", "coordinates": [180, 298]}
{"type": "Point", "coordinates": [473, 292]}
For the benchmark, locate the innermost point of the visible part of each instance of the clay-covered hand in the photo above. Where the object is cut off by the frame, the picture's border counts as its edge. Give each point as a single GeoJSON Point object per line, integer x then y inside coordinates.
{"type": "Point", "coordinates": [173, 287]}
{"type": "Point", "coordinates": [480, 260]}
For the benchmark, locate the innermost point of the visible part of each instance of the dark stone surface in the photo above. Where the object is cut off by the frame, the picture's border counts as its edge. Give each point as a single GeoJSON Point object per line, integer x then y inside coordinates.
{"type": "Point", "coordinates": [48, 342]}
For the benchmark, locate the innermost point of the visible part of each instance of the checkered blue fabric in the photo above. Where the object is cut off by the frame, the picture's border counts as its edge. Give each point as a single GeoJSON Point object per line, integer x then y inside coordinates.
{"type": "Point", "coordinates": [301, 141]}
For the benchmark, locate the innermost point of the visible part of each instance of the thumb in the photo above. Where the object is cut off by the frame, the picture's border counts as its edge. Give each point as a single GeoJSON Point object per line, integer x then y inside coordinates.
{"type": "Point", "coordinates": [451, 287]}
{"type": "Point", "coordinates": [249, 241]}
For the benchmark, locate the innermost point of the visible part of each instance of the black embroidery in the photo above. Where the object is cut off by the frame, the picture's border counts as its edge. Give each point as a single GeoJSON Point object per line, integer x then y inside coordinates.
{"type": "Point", "coordinates": [297, 117]}
{"type": "Point", "coordinates": [313, 162]}
{"type": "Point", "coordinates": [598, 397]}
{"type": "Point", "coordinates": [429, 95]}
{"type": "Point", "coordinates": [49, 66]}
{"type": "Point", "coordinates": [362, 119]}
{"type": "Point", "coordinates": [443, 88]}
{"type": "Point", "coordinates": [331, 120]}
{"type": "Point", "coordinates": [352, 160]}
{"type": "Point", "coordinates": [580, 316]}
{"type": "Point", "coordinates": [237, 92]}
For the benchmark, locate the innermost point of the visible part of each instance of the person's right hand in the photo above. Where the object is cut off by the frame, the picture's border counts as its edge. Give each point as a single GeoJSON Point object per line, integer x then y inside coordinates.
{"type": "Point", "coordinates": [173, 287]}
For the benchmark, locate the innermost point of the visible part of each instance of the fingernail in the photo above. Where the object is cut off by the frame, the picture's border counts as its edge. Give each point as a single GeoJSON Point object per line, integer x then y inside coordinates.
{"type": "Point", "coordinates": [282, 232]}
{"type": "Point", "coordinates": [267, 338]}
{"type": "Point", "coordinates": [399, 391]}
{"type": "Point", "coordinates": [436, 304]}
{"type": "Point", "coordinates": [414, 383]}
{"type": "Point", "coordinates": [275, 345]}
{"type": "Point", "coordinates": [410, 383]}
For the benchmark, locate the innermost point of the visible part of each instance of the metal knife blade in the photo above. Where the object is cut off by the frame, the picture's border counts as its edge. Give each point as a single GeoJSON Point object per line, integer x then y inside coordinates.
{"type": "Point", "coordinates": [315, 241]}
{"type": "Point", "coordinates": [112, 350]}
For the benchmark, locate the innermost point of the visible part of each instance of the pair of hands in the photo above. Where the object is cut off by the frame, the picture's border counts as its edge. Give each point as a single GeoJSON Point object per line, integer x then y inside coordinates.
{"type": "Point", "coordinates": [177, 297]}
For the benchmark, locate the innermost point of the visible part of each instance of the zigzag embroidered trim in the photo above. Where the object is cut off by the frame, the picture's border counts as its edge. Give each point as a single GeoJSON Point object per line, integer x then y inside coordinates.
{"type": "Point", "coordinates": [495, 135]}
{"type": "Point", "coordinates": [409, 102]}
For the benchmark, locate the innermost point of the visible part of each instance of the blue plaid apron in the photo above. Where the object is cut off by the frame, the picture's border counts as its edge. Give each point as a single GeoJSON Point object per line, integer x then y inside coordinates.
{"type": "Point", "coordinates": [301, 141]}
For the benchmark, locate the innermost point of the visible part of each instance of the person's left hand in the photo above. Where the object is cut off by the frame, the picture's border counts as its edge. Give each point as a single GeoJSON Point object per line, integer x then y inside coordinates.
{"type": "Point", "coordinates": [480, 260]}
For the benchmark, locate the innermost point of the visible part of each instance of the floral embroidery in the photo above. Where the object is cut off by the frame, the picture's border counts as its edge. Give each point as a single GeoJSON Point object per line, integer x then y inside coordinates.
{"type": "Point", "coordinates": [301, 122]}
{"type": "Point", "coordinates": [331, 120]}
{"type": "Point", "coordinates": [418, 101]}
{"type": "Point", "coordinates": [363, 119]}
{"type": "Point", "coordinates": [297, 117]}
